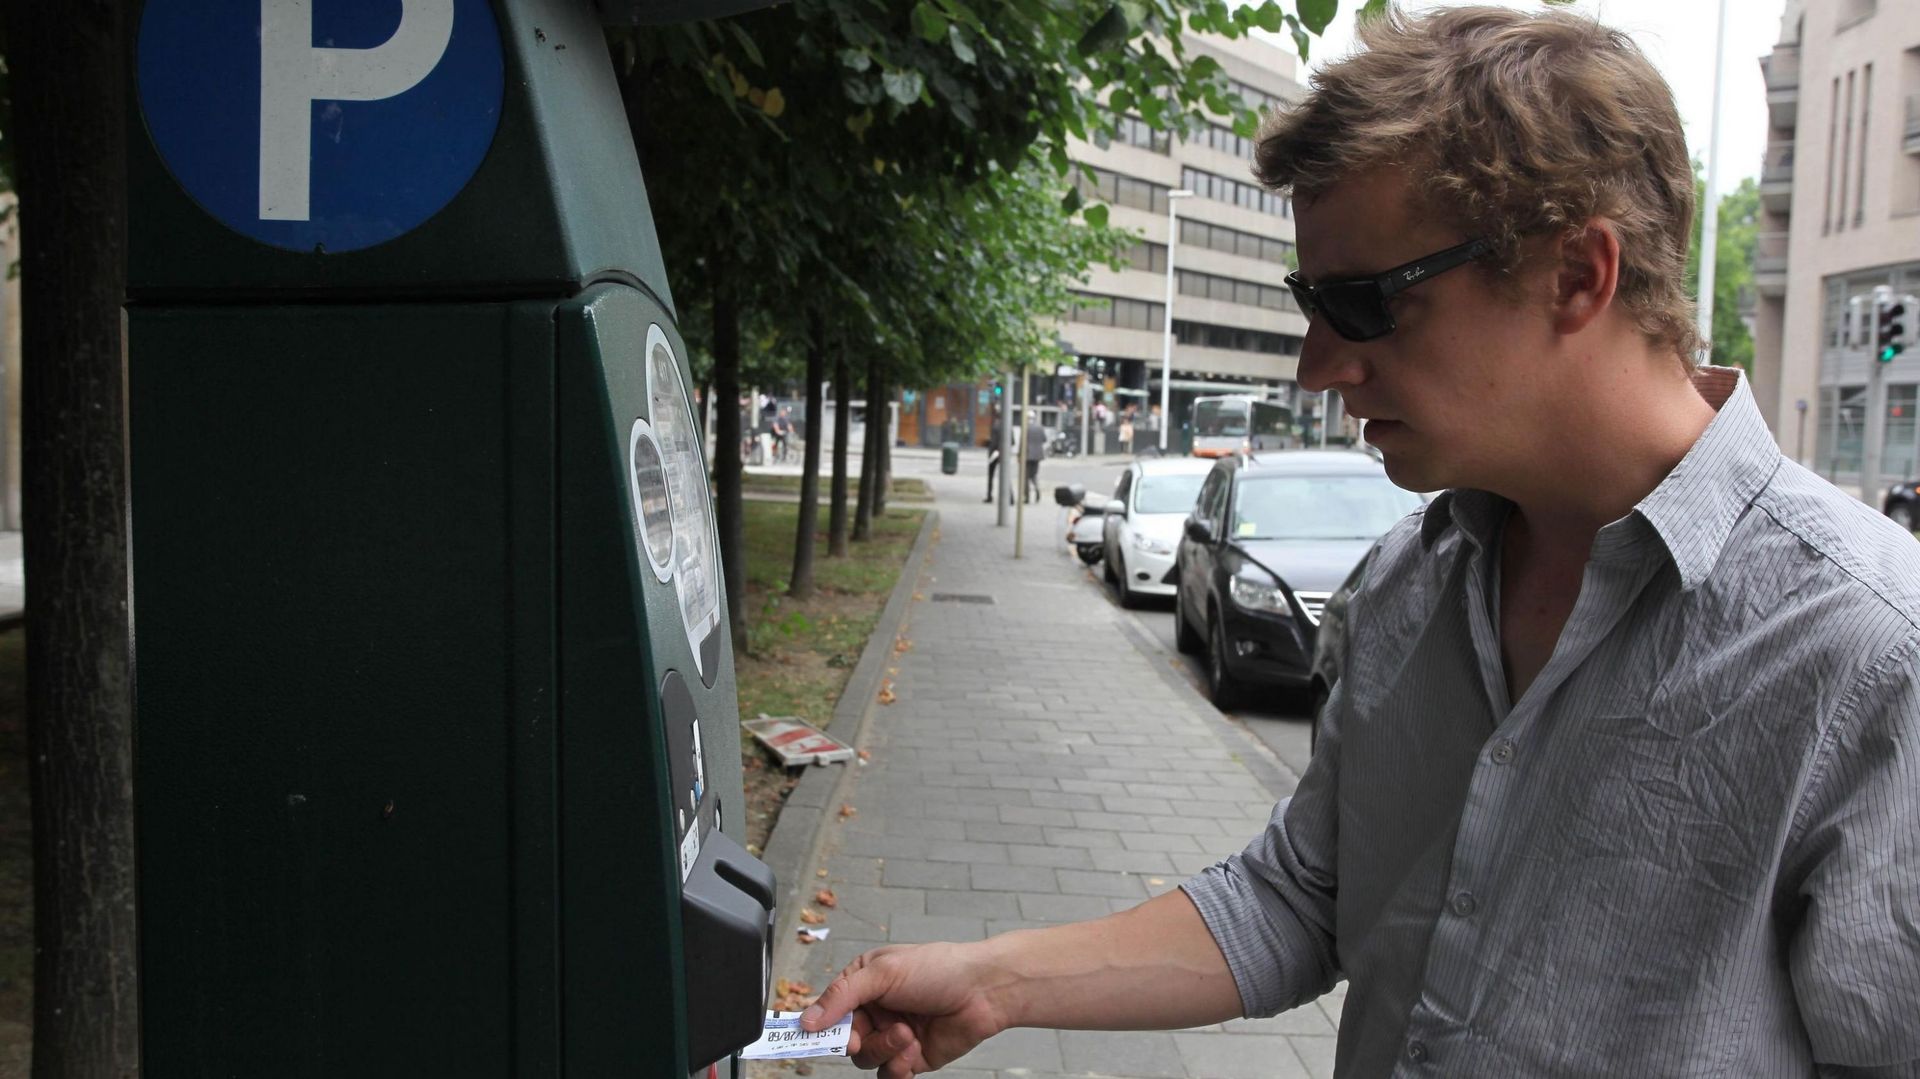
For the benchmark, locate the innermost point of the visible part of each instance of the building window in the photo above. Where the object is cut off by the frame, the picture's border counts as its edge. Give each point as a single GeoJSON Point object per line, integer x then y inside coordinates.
{"type": "Point", "coordinates": [1134, 131]}
{"type": "Point", "coordinates": [1236, 242]}
{"type": "Point", "coordinates": [1866, 106]}
{"type": "Point", "coordinates": [1109, 186]}
{"type": "Point", "coordinates": [1843, 421]}
{"type": "Point", "coordinates": [1221, 189]}
{"type": "Point", "coordinates": [1148, 256]}
{"type": "Point", "coordinates": [1232, 290]}
{"type": "Point", "coordinates": [1097, 310]}
{"type": "Point", "coordinates": [1235, 338]}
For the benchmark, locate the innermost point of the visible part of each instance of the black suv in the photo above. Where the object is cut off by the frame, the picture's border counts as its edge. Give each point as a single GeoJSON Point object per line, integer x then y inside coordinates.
{"type": "Point", "coordinates": [1270, 538]}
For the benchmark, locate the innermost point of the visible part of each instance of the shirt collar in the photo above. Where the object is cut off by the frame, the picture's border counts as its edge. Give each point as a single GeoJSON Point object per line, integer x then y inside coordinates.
{"type": "Point", "coordinates": [1694, 508]}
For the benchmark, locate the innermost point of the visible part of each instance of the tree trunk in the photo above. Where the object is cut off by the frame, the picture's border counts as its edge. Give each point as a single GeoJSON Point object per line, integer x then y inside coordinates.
{"type": "Point", "coordinates": [726, 455]}
{"type": "Point", "coordinates": [800, 586]}
{"type": "Point", "coordinates": [883, 451]}
{"type": "Point", "coordinates": [69, 110]}
{"type": "Point", "coordinates": [869, 454]}
{"type": "Point", "coordinates": [843, 421]}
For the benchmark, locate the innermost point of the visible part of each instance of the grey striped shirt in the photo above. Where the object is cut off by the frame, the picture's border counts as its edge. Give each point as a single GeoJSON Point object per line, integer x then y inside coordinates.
{"type": "Point", "coordinates": [1692, 847]}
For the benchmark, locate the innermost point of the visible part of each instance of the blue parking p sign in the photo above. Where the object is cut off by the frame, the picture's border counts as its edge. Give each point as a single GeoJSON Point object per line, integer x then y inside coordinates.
{"type": "Point", "coordinates": [320, 125]}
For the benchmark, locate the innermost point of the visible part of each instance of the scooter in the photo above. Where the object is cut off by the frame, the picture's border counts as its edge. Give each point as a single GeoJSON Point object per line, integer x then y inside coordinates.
{"type": "Point", "coordinates": [1064, 444]}
{"type": "Point", "coordinates": [1086, 524]}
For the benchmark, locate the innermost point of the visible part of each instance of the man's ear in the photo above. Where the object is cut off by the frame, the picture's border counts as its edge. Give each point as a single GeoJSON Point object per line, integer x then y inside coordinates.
{"type": "Point", "coordinates": [1589, 273]}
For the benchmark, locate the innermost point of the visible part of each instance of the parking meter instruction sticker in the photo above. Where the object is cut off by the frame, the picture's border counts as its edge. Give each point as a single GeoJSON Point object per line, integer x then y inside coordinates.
{"type": "Point", "coordinates": [696, 563]}
{"type": "Point", "coordinates": [321, 125]}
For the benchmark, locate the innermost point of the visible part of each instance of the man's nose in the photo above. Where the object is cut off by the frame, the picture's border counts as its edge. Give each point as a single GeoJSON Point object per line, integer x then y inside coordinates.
{"type": "Point", "coordinates": [1327, 360]}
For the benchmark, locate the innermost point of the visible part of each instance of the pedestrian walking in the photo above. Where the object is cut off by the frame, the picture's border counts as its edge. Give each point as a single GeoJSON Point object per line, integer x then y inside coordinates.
{"type": "Point", "coordinates": [1622, 776]}
{"type": "Point", "coordinates": [1036, 451]}
{"type": "Point", "coordinates": [997, 434]}
{"type": "Point", "coordinates": [782, 431]}
{"type": "Point", "coordinates": [1126, 431]}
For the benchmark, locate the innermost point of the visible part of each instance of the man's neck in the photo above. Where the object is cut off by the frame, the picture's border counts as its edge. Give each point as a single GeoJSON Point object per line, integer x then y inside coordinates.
{"type": "Point", "coordinates": [1614, 446]}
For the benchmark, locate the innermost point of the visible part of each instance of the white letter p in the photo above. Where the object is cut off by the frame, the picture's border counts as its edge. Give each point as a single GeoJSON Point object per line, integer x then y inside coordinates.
{"type": "Point", "coordinates": [294, 74]}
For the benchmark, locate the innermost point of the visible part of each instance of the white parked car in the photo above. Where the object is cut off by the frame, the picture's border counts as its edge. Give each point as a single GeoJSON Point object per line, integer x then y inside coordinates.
{"type": "Point", "coordinates": [1143, 522]}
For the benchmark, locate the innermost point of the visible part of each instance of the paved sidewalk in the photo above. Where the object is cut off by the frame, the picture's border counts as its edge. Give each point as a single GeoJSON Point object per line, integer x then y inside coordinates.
{"type": "Point", "coordinates": [1038, 766]}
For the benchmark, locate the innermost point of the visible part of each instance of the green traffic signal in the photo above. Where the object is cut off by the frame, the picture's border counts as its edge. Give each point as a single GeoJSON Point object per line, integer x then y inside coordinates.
{"type": "Point", "coordinates": [1891, 331]}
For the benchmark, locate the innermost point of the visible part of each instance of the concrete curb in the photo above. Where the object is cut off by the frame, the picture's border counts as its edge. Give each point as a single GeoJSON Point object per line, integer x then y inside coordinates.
{"type": "Point", "coordinates": [796, 836]}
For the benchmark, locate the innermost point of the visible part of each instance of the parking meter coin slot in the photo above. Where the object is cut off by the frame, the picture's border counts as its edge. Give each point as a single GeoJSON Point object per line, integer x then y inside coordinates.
{"type": "Point", "coordinates": [727, 915]}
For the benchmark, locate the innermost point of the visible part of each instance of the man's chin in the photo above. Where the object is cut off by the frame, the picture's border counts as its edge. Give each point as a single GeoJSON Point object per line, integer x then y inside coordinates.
{"type": "Point", "coordinates": [1412, 471]}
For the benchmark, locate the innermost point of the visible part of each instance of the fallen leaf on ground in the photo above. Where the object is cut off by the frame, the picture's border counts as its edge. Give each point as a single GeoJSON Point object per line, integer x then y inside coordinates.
{"type": "Point", "coordinates": [902, 645]}
{"type": "Point", "coordinates": [1155, 880]}
{"type": "Point", "coordinates": [821, 873]}
{"type": "Point", "coordinates": [865, 756]}
{"type": "Point", "coordinates": [826, 898]}
{"type": "Point", "coordinates": [847, 810]}
{"type": "Point", "coordinates": [886, 693]}
{"type": "Point", "coordinates": [812, 917]}
{"type": "Point", "coordinates": [786, 988]}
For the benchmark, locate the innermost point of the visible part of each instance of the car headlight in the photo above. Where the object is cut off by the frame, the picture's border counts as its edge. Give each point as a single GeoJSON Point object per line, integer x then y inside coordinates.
{"type": "Point", "coordinates": [1258, 595]}
{"type": "Point", "coordinates": [1144, 542]}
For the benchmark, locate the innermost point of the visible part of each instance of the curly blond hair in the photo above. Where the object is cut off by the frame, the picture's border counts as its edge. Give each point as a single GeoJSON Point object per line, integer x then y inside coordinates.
{"type": "Point", "coordinates": [1510, 124]}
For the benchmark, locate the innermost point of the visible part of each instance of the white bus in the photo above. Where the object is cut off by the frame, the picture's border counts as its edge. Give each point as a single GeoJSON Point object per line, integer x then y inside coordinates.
{"type": "Point", "coordinates": [1223, 426]}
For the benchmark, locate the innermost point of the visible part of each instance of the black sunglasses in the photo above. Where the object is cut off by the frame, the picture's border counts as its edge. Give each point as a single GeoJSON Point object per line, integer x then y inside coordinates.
{"type": "Point", "coordinates": [1356, 307]}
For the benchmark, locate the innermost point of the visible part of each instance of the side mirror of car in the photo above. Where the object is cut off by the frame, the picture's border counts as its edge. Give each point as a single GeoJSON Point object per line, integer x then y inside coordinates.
{"type": "Point", "coordinates": [1199, 531]}
{"type": "Point", "coordinates": [1117, 507]}
{"type": "Point", "coordinates": [1069, 494]}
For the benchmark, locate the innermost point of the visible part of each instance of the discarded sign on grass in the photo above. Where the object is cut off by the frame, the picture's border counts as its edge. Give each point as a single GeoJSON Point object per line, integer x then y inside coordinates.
{"type": "Point", "coordinates": [797, 743]}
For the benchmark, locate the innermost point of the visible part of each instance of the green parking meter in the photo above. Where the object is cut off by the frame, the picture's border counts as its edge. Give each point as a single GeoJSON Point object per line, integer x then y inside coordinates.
{"type": "Point", "coordinates": [436, 731]}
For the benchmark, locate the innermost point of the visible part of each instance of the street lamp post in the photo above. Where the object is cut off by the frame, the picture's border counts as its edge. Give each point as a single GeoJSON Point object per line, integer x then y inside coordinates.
{"type": "Point", "coordinates": [1166, 347]}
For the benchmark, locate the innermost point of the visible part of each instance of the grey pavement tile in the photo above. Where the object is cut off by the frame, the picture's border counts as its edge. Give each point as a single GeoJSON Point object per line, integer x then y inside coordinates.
{"type": "Point", "coordinates": [880, 846]}
{"type": "Point", "coordinates": [1114, 885]}
{"type": "Point", "coordinates": [1170, 791]}
{"type": "Point", "coordinates": [1316, 1054]}
{"type": "Point", "coordinates": [1333, 1004]}
{"type": "Point", "coordinates": [1022, 1047]}
{"type": "Point", "coordinates": [983, 832]}
{"type": "Point", "coordinates": [922, 928]}
{"type": "Point", "coordinates": [1133, 861]}
{"type": "Point", "coordinates": [874, 904]}
{"type": "Point", "coordinates": [957, 850]}
{"type": "Point", "coordinates": [974, 904]}
{"type": "Point", "coordinates": [911, 873]}
{"type": "Point", "coordinates": [965, 811]}
{"type": "Point", "coordinates": [1156, 841]}
{"type": "Point", "coordinates": [1239, 1056]}
{"type": "Point", "coordinates": [1130, 1053]}
{"type": "Point", "coordinates": [1065, 800]}
{"type": "Point", "coordinates": [1014, 878]}
{"type": "Point", "coordinates": [1025, 783]}
{"type": "Point", "coordinates": [1057, 857]}
{"type": "Point", "coordinates": [1090, 786]}
{"type": "Point", "coordinates": [1116, 822]}
{"type": "Point", "coordinates": [1081, 837]}
{"type": "Point", "coordinates": [1187, 825]}
{"type": "Point", "coordinates": [1035, 814]}
{"type": "Point", "coordinates": [853, 869]}
{"type": "Point", "coordinates": [919, 827]}
{"type": "Point", "coordinates": [1063, 908]}
{"type": "Point", "coordinates": [954, 779]}
{"type": "Point", "coordinates": [997, 926]}
{"type": "Point", "coordinates": [1126, 803]}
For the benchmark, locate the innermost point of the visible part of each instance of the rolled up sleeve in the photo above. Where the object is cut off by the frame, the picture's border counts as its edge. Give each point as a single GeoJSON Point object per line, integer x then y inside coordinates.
{"type": "Point", "coordinates": [1270, 908]}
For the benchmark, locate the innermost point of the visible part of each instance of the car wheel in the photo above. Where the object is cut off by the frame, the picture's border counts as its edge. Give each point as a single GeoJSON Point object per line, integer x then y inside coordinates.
{"type": "Point", "coordinates": [1184, 638]}
{"type": "Point", "coordinates": [1221, 687]}
{"type": "Point", "coordinates": [1901, 513]}
{"type": "Point", "coordinates": [1128, 597]}
{"type": "Point", "coordinates": [1089, 553]}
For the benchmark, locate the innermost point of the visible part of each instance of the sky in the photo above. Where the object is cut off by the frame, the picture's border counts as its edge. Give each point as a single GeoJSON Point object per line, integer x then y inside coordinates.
{"type": "Point", "coordinates": [1678, 36]}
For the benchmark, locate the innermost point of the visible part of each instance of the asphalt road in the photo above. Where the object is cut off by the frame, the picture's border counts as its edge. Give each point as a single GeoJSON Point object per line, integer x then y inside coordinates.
{"type": "Point", "coordinates": [1282, 721]}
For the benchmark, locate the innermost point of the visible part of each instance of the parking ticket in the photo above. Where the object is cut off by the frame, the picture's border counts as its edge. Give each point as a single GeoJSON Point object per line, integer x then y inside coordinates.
{"type": "Point", "coordinates": [782, 1039]}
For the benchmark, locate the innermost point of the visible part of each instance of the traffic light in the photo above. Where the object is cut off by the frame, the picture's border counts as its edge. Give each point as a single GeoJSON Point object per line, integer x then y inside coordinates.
{"type": "Point", "coordinates": [1892, 319]}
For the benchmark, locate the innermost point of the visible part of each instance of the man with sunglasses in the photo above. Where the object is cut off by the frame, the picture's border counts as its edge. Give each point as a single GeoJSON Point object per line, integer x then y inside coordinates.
{"type": "Point", "coordinates": [1623, 774]}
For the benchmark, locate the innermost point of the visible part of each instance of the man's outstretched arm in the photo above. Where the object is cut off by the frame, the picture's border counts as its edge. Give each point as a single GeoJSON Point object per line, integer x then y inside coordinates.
{"type": "Point", "coordinates": [920, 1007]}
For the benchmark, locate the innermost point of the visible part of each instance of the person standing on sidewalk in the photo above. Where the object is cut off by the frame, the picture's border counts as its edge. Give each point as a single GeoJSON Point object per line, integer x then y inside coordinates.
{"type": "Point", "coordinates": [1036, 451]}
{"type": "Point", "coordinates": [997, 435]}
{"type": "Point", "coordinates": [1623, 775]}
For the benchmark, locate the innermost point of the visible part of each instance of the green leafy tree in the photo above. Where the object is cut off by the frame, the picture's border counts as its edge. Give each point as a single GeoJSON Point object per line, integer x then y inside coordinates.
{"type": "Point", "coordinates": [1738, 233]}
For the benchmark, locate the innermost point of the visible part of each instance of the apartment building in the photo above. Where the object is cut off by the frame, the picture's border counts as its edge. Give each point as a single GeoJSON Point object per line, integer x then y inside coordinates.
{"type": "Point", "coordinates": [1236, 328]}
{"type": "Point", "coordinates": [1840, 196]}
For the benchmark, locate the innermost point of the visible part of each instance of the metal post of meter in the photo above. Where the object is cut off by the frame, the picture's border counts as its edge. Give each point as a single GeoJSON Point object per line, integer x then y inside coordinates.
{"type": "Point", "coordinates": [1326, 418]}
{"type": "Point", "coordinates": [1019, 472]}
{"type": "Point", "coordinates": [1086, 412]}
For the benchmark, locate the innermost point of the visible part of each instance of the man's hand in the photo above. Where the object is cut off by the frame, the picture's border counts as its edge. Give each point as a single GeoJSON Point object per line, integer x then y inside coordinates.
{"type": "Point", "coordinates": [916, 1007]}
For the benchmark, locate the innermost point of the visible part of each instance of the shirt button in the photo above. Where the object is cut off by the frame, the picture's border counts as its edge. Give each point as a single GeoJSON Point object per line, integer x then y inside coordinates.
{"type": "Point", "coordinates": [1417, 1052]}
{"type": "Point", "coordinates": [1503, 752]}
{"type": "Point", "coordinates": [1463, 903]}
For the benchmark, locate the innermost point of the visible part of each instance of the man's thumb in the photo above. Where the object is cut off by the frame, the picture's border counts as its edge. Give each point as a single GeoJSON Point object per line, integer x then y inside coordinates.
{"type": "Point", "coordinates": [849, 991]}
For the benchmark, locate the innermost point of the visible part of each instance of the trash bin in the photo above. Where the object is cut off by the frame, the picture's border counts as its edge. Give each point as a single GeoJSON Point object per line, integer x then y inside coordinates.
{"type": "Point", "coordinates": [949, 457]}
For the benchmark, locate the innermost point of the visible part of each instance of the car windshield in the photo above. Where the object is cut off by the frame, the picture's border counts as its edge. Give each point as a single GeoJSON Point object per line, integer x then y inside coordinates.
{"type": "Point", "coordinates": [1219, 419]}
{"type": "Point", "coordinates": [1172, 493]}
{"type": "Point", "coordinates": [1318, 507]}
